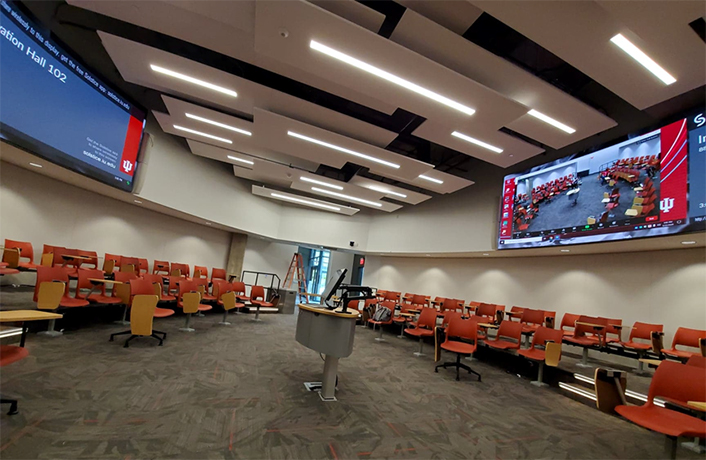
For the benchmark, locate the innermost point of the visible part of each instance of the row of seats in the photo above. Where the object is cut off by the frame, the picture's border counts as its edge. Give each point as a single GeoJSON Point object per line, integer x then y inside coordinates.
{"type": "Point", "coordinates": [642, 161]}
{"type": "Point", "coordinates": [551, 188]}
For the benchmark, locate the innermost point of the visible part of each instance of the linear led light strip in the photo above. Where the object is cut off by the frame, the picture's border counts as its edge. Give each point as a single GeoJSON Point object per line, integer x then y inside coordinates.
{"type": "Point", "coordinates": [346, 197]}
{"type": "Point", "coordinates": [549, 120]}
{"type": "Point", "coordinates": [390, 77]}
{"type": "Point", "coordinates": [383, 190]}
{"type": "Point", "coordinates": [325, 184]}
{"type": "Point", "coordinates": [477, 142]}
{"type": "Point", "coordinates": [193, 80]}
{"type": "Point", "coordinates": [306, 202]}
{"type": "Point", "coordinates": [431, 179]}
{"type": "Point", "coordinates": [342, 149]}
{"type": "Point", "coordinates": [220, 125]}
{"type": "Point", "coordinates": [199, 133]}
{"type": "Point", "coordinates": [630, 393]}
{"type": "Point", "coordinates": [577, 390]}
{"type": "Point", "coordinates": [643, 59]}
{"type": "Point", "coordinates": [242, 160]}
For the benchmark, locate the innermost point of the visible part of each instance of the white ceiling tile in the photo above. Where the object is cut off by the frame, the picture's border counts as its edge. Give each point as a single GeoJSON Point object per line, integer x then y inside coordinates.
{"type": "Point", "coordinates": [455, 15]}
{"type": "Point", "coordinates": [353, 11]}
{"type": "Point", "coordinates": [269, 193]}
{"type": "Point", "coordinates": [410, 196]}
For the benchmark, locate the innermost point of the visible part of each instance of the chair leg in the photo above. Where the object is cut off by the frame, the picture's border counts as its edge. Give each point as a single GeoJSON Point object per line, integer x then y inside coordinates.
{"type": "Point", "coordinates": [401, 336]}
{"type": "Point", "coordinates": [186, 328]}
{"type": "Point", "coordinates": [50, 332]}
{"type": "Point", "coordinates": [458, 365]}
{"type": "Point", "coordinates": [112, 336]}
{"type": "Point", "coordinates": [540, 376]}
{"type": "Point", "coordinates": [127, 342]}
{"type": "Point", "coordinates": [13, 405]}
{"type": "Point", "coordinates": [421, 345]}
{"type": "Point", "coordinates": [161, 341]}
{"type": "Point", "coordinates": [671, 446]}
{"type": "Point", "coordinates": [379, 338]}
{"type": "Point", "coordinates": [225, 319]}
{"type": "Point", "coordinates": [584, 359]}
{"type": "Point", "coordinates": [257, 313]}
{"type": "Point", "coordinates": [124, 321]}
{"type": "Point", "coordinates": [164, 334]}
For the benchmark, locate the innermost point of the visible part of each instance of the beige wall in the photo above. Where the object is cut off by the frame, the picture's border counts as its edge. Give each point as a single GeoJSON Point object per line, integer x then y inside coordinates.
{"type": "Point", "coordinates": [664, 287]}
{"type": "Point", "coordinates": [42, 210]}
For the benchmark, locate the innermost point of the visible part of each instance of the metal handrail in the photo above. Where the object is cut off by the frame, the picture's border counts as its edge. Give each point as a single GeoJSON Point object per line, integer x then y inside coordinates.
{"type": "Point", "coordinates": [257, 277]}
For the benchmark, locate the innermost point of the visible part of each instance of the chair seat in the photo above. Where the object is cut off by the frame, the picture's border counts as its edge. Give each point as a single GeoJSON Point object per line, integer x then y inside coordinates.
{"type": "Point", "coordinates": [11, 353]}
{"type": "Point", "coordinates": [529, 328]}
{"type": "Point", "coordinates": [419, 332]}
{"type": "Point", "coordinates": [28, 265]}
{"type": "Point", "coordinates": [637, 345]}
{"type": "Point", "coordinates": [167, 298]}
{"type": "Point", "coordinates": [665, 421]}
{"type": "Point", "coordinates": [209, 297]}
{"type": "Point", "coordinates": [204, 307]}
{"type": "Point", "coordinates": [581, 341]}
{"type": "Point", "coordinates": [3, 264]}
{"type": "Point", "coordinates": [162, 312]}
{"type": "Point", "coordinates": [502, 344]}
{"type": "Point", "coordinates": [400, 319]}
{"type": "Point", "coordinates": [532, 353]}
{"type": "Point", "coordinates": [100, 298]}
{"type": "Point", "coordinates": [372, 321]}
{"type": "Point", "coordinates": [262, 303]}
{"type": "Point", "coordinates": [673, 352]}
{"type": "Point", "coordinates": [462, 348]}
{"type": "Point", "coordinates": [8, 271]}
{"type": "Point", "coordinates": [70, 302]}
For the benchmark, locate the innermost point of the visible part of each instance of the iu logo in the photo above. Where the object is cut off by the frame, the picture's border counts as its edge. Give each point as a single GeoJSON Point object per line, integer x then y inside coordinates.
{"type": "Point", "coordinates": [666, 205]}
{"type": "Point", "coordinates": [127, 165]}
{"type": "Point", "coordinates": [699, 120]}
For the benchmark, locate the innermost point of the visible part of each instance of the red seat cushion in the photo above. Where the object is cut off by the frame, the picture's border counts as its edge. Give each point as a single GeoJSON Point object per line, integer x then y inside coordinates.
{"type": "Point", "coordinates": [400, 319]}
{"type": "Point", "coordinates": [419, 332]}
{"type": "Point", "coordinates": [459, 347]}
{"type": "Point", "coordinates": [679, 353]}
{"type": "Point", "coordinates": [204, 307]}
{"type": "Point", "coordinates": [637, 345]}
{"type": "Point", "coordinates": [28, 265]}
{"type": "Point", "coordinates": [162, 312]}
{"type": "Point", "coordinates": [11, 353]}
{"type": "Point", "coordinates": [530, 328]}
{"type": "Point", "coordinates": [100, 298]}
{"type": "Point", "coordinates": [70, 302]}
{"type": "Point", "coordinates": [262, 303]}
{"type": "Point", "coordinates": [665, 421]}
{"type": "Point", "coordinates": [209, 297]}
{"type": "Point", "coordinates": [167, 298]}
{"type": "Point", "coordinates": [581, 341]}
{"type": "Point", "coordinates": [9, 271]}
{"type": "Point", "coordinates": [532, 353]}
{"type": "Point", "coordinates": [502, 344]}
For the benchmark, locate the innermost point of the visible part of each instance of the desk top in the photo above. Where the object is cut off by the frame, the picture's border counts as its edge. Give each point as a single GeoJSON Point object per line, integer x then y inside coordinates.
{"type": "Point", "coordinates": [597, 326]}
{"type": "Point", "coordinates": [697, 404]}
{"type": "Point", "coordinates": [651, 362]}
{"type": "Point", "coordinates": [98, 280]}
{"type": "Point", "coordinates": [26, 315]}
{"type": "Point", "coordinates": [325, 311]}
{"type": "Point", "coordinates": [493, 326]}
{"type": "Point", "coordinates": [67, 256]}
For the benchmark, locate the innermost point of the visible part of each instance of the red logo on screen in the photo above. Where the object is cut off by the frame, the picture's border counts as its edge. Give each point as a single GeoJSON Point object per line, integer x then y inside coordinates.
{"type": "Point", "coordinates": [651, 218]}
{"type": "Point", "coordinates": [126, 166]}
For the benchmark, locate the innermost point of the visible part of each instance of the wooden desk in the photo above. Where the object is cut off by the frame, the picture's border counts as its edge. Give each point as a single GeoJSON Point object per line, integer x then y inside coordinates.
{"type": "Point", "coordinates": [95, 282]}
{"type": "Point", "coordinates": [68, 258]}
{"type": "Point", "coordinates": [488, 325]}
{"type": "Point", "coordinates": [650, 362]}
{"type": "Point", "coordinates": [21, 316]}
{"type": "Point", "coordinates": [697, 405]}
{"type": "Point", "coordinates": [409, 315]}
{"type": "Point", "coordinates": [599, 329]}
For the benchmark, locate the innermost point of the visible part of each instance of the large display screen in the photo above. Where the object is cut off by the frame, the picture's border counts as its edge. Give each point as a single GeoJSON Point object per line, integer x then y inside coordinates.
{"type": "Point", "coordinates": [53, 107]}
{"type": "Point", "coordinates": [653, 184]}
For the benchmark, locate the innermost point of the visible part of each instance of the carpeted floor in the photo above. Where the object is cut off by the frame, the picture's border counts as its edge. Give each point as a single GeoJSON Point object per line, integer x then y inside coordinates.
{"type": "Point", "coordinates": [237, 392]}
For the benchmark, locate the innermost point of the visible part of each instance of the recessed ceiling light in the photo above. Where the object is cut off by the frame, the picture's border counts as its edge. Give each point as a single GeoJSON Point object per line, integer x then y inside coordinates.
{"type": "Point", "coordinates": [35, 165]}
{"type": "Point", "coordinates": [306, 202]}
{"type": "Point", "coordinates": [565, 250]}
{"type": "Point", "coordinates": [209, 223]}
{"type": "Point", "coordinates": [220, 125]}
{"type": "Point", "coordinates": [384, 190]}
{"type": "Point", "coordinates": [477, 142]}
{"type": "Point", "coordinates": [342, 149]}
{"type": "Point", "coordinates": [431, 179]}
{"type": "Point", "coordinates": [644, 60]}
{"type": "Point", "coordinates": [390, 77]}
{"type": "Point", "coordinates": [193, 80]}
{"type": "Point", "coordinates": [688, 242]}
{"type": "Point", "coordinates": [428, 255]}
{"type": "Point", "coordinates": [199, 133]}
{"type": "Point", "coordinates": [242, 160]}
{"type": "Point", "coordinates": [549, 120]}
{"type": "Point", "coordinates": [325, 184]}
{"type": "Point", "coordinates": [486, 254]}
{"type": "Point", "coordinates": [138, 201]}
{"type": "Point", "coordinates": [346, 197]}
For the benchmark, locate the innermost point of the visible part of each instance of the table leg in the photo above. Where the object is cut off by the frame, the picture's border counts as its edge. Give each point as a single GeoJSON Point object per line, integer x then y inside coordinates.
{"type": "Point", "coordinates": [328, 387]}
{"type": "Point", "coordinates": [23, 337]}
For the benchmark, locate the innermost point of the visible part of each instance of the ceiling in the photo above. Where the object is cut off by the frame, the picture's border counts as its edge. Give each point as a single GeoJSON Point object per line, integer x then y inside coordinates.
{"type": "Point", "coordinates": [364, 96]}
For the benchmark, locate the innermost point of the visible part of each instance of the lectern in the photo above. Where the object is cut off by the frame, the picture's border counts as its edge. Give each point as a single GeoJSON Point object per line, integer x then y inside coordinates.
{"type": "Point", "coordinates": [331, 333]}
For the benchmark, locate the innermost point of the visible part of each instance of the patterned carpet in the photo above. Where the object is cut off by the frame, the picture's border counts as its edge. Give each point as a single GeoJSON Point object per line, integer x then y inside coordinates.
{"type": "Point", "coordinates": [237, 392]}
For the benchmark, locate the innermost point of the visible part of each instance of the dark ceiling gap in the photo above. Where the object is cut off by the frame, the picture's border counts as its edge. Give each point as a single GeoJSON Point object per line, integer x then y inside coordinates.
{"type": "Point", "coordinates": [392, 11]}
{"type": "Point", "coordinates": [699, 26]}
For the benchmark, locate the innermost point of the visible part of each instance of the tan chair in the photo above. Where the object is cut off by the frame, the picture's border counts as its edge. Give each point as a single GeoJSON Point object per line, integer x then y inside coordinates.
{"type": "Point", "coordinates": [229, 303]}
{"type": "Point", "coordinates": [176, 272]}
{"type": "Point", "coordinates": [130, 268]}
{"type": "Point", "coordinates": [11, 257]}
{"type": "Point", "coordinates": [190, 304]}
{"type": "Point", "coordinates": [141, 316]}
{"type": "Point", "coordinates": [48, 299]}
{"type": "Point", "coordinates": [108, 266]}
{"type": "Point", "coordinates": [47, 260]}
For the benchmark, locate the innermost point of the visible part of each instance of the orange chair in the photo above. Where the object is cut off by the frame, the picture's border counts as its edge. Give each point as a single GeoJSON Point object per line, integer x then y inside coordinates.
{"type": "Point", "coordinates": [465, 330]}
{"type": "Point", "coordinates": [698, 361]}
{"type": "Point", "coordinates": [140, 287]}
{"type": "Point", "coordinates": [615, 327]}
{"type": "Point", "coordinates": [160, 266]}
{"type": "Point", "coordinates": [115, 258]}
{"type": "Point", "coordinates": [229, 302]}
{"type": "Point", "coordinates": [531, 320]}
{"type": "Point", "coordinates": [205, 296]}
{"type": "Point", "coordinates": [26, 252]}
{"type": "Point", "coordinates": [159, 280]}
{"type": "Point", "coordinates": [425, 327]}
{"type": "Point", "coordinates": [515, 312]}
{"type": "Point", "coordinates": [173, 286]}
{"type": "Point", "coordinates": [487, 311]}
{"type": "Point", "coordinates": [84, 277]}
{"type": "Point", "coordinates": [642, 331]}
{"type": "Point", "coordinates": [219, 274]}
{"type": "Point", "coordinates": [58, 274]}
{"type": "Point", "coordinates": [143, 266]}
{"type": "Point", "coordinates": [11, 354]}
{"type": "Point", "coordinates": [186, 286]}
{"type": "Point", "coordinates": [673, 381]}
{"type": "Point", "coordinates": [508, 330]}
{"type": "Point", "coordinates": [184, 268]}
{"type": "Point", "coordinates": [393, 296]}
{"type": "Point", "coordinates": [569, 320]}
{"type": "Point", "coordinates": [202, 272]}
{"type": "Point", "coordinates": [449, 315]}
{"type": "Point", "coordinates": [453, 304]}
{"type": "Point", "coordinates": [257, 298]}
{"type": "Point", "coordinates": [123, 278]}
{"type": "Point", "coordinates": [542, 337]}
{"type": "Point", "coordinates": [239, 289]}
{"type": "Point", "coordinates": [380, 294]}
{"type": "Point", "coordinates": [221, 287]}
{"type": "Point", "coordinates": [130, 263]}
{"type": "Point", "coordinates": [686, 338]}
{"type": "Point", "coordinates": [402, 320]}
{"type": "Point", "coordinates": [587, 332]}
{"type": "Point", "coordinates": [92, 259]}
{"type": "Point", "coordinates": [390, 305]}
{"type": "Point", "coordinates": [437, 302]}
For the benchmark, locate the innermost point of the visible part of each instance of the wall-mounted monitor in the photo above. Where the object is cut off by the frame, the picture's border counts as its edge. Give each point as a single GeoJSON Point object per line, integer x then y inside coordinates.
{"type": "Point", "coordinates": [652, 184]}
{"type": "Point", "coordinates": [54, 107]}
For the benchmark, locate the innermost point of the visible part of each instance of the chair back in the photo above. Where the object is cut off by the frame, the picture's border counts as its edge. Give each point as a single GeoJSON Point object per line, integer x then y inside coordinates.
{"type": "Point", "coordinates": [186, 285]}
{"type": "Point", "coordinates": [688, 338]}
{"type": "Point", "coordinates": [144, 265]}
{"type": "Point", "coordinates": [153, 278]}
{"type": "Point", "coordinates": [141, 286]}
{"type": "Point", "coordinates": [698, 361]}
{"type": "Point", "coordinates": [510, 330]}
{"type": "Point", "coordinates": [50, 294]}
{"type": "Point", "coordinates": [569, 320]}
{"type": "Point", "coordinates": [613, 330]}
{"type": "Point", "coordinates": [124, 277]}
{"type": "Point", "coordinates": [257, 292]}
{"type": "Point", "coordinates": [160, 266]}
{"type": "Point", "coordinates": [190, 302]}
{"type": "Point", "coordinates": [581, 330]}
{"type": "Point", "coordinates": [452, 304]}
{"type": "Point", "coordinates": [25, 249]}
{"type": "Point", "coordinates": [174, 283]}
{"type": "Point", "coordinates": [183, 268]}
{"type": "Point", "coordinates": [419, 301]}
{"type": "Point", "coordinates": [238, 287]}
{"type": "Point", "coordinates": [450, 315]}
{"type": "Point", "coordinates": [11, 256]}
{"type": "Point", "coordinates": [530, 316]}
{"type": "Point", "coordinates": [678, 382]}
{"type": "Point", "coordinates": [203, 272]}
{"type": "Point", "coordinates": [462, 328]}
{"type": "Point", "coordinates": [115, 258]}
{"type": "Point", "coordinates": [142, 313]}
{"type": "Point", "coordinates": [108, 266]}
{"type": "Point", "coordinates": [47, 260]}
{"type": "Point", "coordinates": [85, 274]}
{"type": "Point", "coordinates": [50, 274]}
{"type": "Point", "coordinates": [221, 287]}
{"type": "Point", "coordinates": [218, 274]}
{"type": "Point", "coordinates": [393, 296]}
{"type": "Point", "coordinates": [487, 310]}
{"type": "Point", "coordinates": [228, 300]}
{"type": "Point", "coordinates": [92, 258]}
{"type": "Point", "coordinates": [427, 318]}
